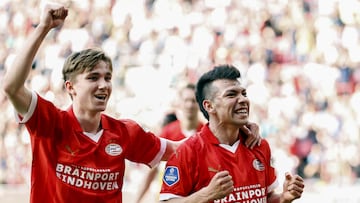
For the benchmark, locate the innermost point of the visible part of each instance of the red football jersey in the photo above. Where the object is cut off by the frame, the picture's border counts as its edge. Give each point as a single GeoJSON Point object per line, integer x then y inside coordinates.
{"type": "Point", "coordinates": [68, 166]}
{"type": "Point", "coordinates": [201, 156]}
{"type": "Point", "coordinates": [172, 131]}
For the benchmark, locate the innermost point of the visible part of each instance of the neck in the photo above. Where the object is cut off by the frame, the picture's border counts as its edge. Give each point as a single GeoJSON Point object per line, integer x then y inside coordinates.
{"type": "Point", "coordinates": [226, 134]}
{"type": "Point", "coordinates": [89, 122]}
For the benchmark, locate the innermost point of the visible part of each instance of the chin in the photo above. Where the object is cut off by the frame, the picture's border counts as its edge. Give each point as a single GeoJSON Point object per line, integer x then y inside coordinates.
{"type": "Point", "coordinates": [242, 122]}
{"type": "Point", "coordinates": [100, 109]}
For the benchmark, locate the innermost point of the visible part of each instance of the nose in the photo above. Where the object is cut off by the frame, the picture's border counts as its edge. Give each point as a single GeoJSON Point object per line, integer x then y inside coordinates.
{"type": "Point", "coordinates": [242, 99]}
{"type": "Point", "coordinates": [103, 84]}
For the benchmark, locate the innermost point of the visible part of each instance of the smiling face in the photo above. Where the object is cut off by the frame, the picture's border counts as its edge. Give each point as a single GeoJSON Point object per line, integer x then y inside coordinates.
{"type": "Point", "coordinates": [229, 104]}
{"type": "Point", "coordinates": [91, 89]}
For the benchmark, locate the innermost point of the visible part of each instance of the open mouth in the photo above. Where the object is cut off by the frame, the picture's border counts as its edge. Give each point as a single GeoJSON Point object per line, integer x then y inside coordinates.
{"type": "Point", "coordinates": [101, 97]}
{"type": "Point", "coordinates": [242, 111]}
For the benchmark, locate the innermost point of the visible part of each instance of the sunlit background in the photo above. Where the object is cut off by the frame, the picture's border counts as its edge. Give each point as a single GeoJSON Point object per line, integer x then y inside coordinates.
{"type": "Point", "coordinates": [299, 60]}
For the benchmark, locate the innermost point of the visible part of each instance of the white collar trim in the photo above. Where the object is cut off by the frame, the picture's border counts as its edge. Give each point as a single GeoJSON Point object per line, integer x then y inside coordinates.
{"type": "Point", "coordinates": [232, 148]}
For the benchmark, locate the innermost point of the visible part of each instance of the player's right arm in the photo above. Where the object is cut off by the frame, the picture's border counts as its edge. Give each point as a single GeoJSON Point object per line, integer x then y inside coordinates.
{"type": "Point", "coordinates": [17, 73]}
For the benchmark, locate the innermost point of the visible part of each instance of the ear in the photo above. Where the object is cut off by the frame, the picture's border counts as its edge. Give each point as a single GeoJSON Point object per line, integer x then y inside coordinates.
{"type": "Point", "coordinates": [208, 106]}
{"type": "Point", "coordinates": [69, 87]}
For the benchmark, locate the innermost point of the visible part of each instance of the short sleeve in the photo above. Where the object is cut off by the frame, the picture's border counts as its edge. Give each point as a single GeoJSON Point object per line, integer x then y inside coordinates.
{"type": "Point", "coordinates": [178, 179]}
{"type": "Point", "coordinates": [144, 147]}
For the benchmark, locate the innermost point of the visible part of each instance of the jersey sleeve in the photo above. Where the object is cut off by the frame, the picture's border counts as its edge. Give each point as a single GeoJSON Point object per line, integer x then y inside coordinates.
{"type": "Point", "coordinates": [41, 118]}
{"type": "Point", "coordinates": [178, 179]}
{"type": "Point", "coordinates": [27, 116]}
{"type": "Point", "coordinates": [144, 147]}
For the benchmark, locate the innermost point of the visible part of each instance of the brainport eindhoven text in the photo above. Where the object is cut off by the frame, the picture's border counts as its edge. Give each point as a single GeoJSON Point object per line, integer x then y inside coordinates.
{"type": "Point", "coordinates": [248, 194]}
{"type": "Point", "coordinates": [88, 178]}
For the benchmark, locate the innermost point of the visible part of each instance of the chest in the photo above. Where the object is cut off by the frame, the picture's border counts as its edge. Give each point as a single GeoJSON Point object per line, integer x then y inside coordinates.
{"type": "Point", "coordinates": [80, 150]}
{"type": "Point", "coordinates": [245, 166]}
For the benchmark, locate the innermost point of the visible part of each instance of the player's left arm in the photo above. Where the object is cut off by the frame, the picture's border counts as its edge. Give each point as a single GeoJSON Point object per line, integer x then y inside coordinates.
{"type": "Point", "coordinates": [293, 188]}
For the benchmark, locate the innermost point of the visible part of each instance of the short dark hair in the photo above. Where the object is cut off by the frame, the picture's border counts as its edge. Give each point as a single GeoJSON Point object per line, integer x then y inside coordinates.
{"type": "Point", "coordinates": [203, 86]}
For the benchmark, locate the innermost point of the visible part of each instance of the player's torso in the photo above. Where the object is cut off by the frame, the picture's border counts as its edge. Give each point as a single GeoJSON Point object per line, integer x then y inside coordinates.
{"type": "Point", "coordinates": [246, 167]}
{"type": "Point", "coordinates": [83, 170]}
{"type": "Point", "coordinates": [82, 161]}
{"type": "Point", "coordinates": [74, 167]}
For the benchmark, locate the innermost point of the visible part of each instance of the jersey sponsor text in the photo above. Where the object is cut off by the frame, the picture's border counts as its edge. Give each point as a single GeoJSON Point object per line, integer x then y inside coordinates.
{"type": "Point", "coordinates": [88, 178]}
{"type": "Point", "coordinates": [246, 194]}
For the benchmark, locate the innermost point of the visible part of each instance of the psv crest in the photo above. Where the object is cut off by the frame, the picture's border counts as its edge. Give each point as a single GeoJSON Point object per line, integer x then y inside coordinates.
{"type": "Point", "coordinates": [258, 165]}
{"type": "Point", "coordinates": [171, 175]}
{"type": "Point", "coordinates": [113, 149]}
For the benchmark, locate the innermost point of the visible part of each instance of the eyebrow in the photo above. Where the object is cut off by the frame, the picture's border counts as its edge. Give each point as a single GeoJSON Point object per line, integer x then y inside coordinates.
{"type": "Point", "coordinates": [97, 73]}
{"type": "Point", "coordinates": [236, 89]}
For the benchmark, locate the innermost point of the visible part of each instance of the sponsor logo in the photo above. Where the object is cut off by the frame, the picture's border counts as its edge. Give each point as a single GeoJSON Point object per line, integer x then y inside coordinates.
{"type": "Point", "coordinates": [246, 194]}
{"type": "Point", "coordinates": [113, 149]}
{"type": "Point", "coordinates": [258, 165]}
{"type": "Point", "coordinates": [171, 175]}
{"type": "Point", "coordinates": [88, 178]}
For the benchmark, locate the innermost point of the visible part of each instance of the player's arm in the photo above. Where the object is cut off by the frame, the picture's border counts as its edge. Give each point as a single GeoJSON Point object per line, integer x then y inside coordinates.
{"type": "Point", "coordinates": [220, 186]}
{"type": "Point", "coordinates": [16, 75]}
{"type": "Point", "coordinates": [292, 189]}
{"type": "Point", "coordinates": [252, 133]}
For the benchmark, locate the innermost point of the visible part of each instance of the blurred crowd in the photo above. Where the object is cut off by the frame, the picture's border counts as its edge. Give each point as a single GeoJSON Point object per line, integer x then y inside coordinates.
{"type": "Point", "coordinates": [299, 60]}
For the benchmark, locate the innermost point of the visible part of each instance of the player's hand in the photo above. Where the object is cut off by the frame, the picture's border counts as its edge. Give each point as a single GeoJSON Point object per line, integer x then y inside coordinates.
{"type": "Point", "coordinates": [53, 15]}
{"type": "Point", "coordinates": [220, 185]}
{"type": "Point", "coordinates": [293, 187]}
{"type": "Point", "coordinates": [253, 137]}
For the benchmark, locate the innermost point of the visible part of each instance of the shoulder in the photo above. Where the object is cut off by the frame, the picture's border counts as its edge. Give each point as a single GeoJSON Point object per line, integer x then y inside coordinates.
{"type": "Point", "coordinates": [133, 126]}
{"type": "Point", "coordinates": [47, 109]}
{"type": "Point", "coordinates": [109, 122]}
{"type": "Point", "coordinates": [193, 143]}
{"type": "Point", "coordinates": [264, 143]}
{"type": "Point", "coordinates": [264, 149]}
{"type": "Point", "coordinates": [41, 102]}
{"type": "Point", "coordinates": [125, 122]}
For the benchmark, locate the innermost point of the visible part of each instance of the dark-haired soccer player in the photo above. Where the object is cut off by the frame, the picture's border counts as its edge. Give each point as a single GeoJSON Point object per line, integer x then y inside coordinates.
{"type": "Point", "coordinates": [214, 165]}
